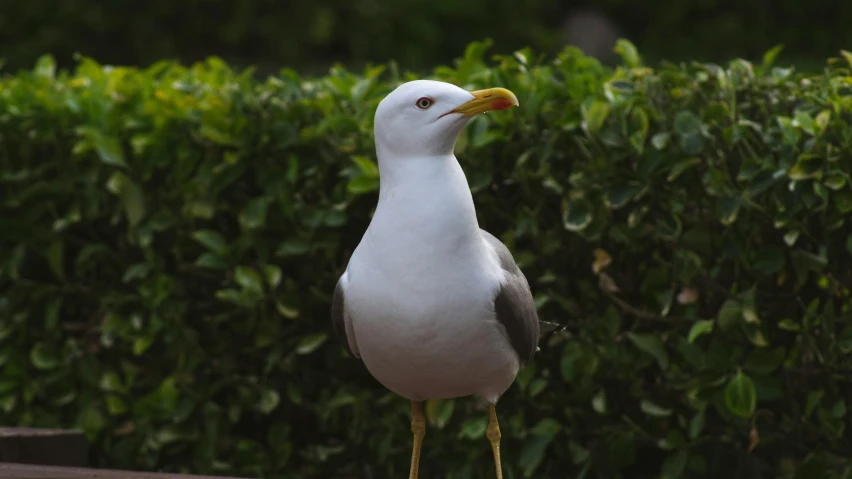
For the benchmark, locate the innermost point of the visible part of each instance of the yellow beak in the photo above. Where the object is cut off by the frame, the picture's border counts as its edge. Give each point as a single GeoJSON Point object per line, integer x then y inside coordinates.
{"type": "Point", "coordinates": [487, 100]}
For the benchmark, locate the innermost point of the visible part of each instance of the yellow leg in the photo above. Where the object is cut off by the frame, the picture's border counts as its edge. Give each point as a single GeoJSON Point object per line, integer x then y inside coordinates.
{"type": "Point", "coordinates": [418, 428]}
{"type": "Point", "coordinates": [493, 435]}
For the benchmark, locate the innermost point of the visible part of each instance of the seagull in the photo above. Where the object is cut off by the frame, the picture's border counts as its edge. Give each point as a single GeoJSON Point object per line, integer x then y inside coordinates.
{"type": "Point", "coordinates": [434, 306]}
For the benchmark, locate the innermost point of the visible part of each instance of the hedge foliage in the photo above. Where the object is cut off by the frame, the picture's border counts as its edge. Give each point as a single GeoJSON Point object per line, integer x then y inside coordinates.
{"type": "Point", "coordinates": [170, 238]}
{"type": "Point", "coordinates": [309, 35]}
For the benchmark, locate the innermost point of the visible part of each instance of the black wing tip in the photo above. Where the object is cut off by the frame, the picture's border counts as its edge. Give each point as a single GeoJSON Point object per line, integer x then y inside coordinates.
{"type": "Point", "coordinates": [338, 321]}
{"type": "Point", "coordinates": [515, 310]}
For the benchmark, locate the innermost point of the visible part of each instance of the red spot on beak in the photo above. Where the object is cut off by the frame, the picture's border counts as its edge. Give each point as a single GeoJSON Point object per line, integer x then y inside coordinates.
{"type": "Point", "coordinates": [501, 104]}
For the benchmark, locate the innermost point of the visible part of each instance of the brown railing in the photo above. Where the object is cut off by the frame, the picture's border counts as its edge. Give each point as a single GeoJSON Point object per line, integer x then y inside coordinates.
{"type": "Point", "coordinates": [58, 454]}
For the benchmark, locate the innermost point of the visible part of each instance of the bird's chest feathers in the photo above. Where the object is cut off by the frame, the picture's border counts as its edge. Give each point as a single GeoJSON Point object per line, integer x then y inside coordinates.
{"type": "Point", "coordinates": [422, 267]}
{"type": "Point", "coordinates": [417, 280]}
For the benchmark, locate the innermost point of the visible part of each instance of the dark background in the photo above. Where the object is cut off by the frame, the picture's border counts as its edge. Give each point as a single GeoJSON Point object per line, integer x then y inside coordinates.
{"type": "Point", "coordinates": [310, 36]}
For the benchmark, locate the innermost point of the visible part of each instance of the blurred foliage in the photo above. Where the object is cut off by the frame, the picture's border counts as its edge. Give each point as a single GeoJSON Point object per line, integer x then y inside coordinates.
{"type": "Point", "coordinates": [305, 35]}
{"type": "Point", "coordinates": [170, 239]}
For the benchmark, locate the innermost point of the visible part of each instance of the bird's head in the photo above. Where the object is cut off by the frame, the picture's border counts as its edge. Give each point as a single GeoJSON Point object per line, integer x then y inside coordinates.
{"type": "Point", "coordinates": [424, 117]}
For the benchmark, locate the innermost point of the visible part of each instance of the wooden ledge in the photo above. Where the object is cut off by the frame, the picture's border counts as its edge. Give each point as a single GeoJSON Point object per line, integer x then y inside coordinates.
{"type": "Point", "coordinates": [48, 447]}
{"type": "Point", "coordinates": [26, 471]}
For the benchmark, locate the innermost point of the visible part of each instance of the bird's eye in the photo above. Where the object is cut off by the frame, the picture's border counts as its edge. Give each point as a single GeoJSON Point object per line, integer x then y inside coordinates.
{"type": "Point", "coordinates": [424, 103]}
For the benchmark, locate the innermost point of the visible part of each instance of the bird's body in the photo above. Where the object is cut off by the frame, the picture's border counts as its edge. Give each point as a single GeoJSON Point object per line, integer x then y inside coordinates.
{"type": "Point", "coordinates": [433, 305]}
{"type": "Point", "coordinates": [425, 326]}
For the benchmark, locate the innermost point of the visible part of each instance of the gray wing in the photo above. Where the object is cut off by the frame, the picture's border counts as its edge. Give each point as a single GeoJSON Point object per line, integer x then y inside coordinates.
{"type": "Point", "coordinates": [340, 319]}
{"type": "Point", "coordinates": [514, 303]}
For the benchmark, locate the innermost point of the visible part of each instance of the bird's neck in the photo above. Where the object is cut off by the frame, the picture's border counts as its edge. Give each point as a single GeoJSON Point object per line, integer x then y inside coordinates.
{"type": "Point", "coordinates": [428, 196]}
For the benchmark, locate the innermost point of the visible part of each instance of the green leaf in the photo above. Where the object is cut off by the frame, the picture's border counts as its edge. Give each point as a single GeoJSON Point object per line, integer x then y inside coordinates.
{"type": "Point", "coordinates": [668, 227]}
{"type": "Point", "coordinates": [619, 195]}
{"type": "Point", "coordinates": [141, 344]}
{"type": "Point", "coordinates": [362, 184]}
{"type": "Point", "coordinates": [234, 296]}
{"type": "Point", "coordinates": [696, 424]}
{"type": "Point", "coordinates": [577, 215]}
{"type": "Point", "coordinates": [836, 180]}
{"type": "Point", "coordinates": [673, 440]}
{"type": "Point", "coordinates": [791, 237]}
{"type": "Point", "coordinates": [628, 53]}
{"type": "Point", "coordinates": [764, 360]}
{"type": "Point", "coordinates": [293, 247]}
{"type": "Point", "coordinates": [681, 166]}
{"type": "Point", "coordinates": [111, 382]}
{"type": "Point", "coordinates": [654, 410]}
{"type": "Point", "coordinates": [730, 315]}
{"type": "Point", "coordinates": [822, 120]}
{"type": "Point", "coordinates": [595, 116]}
{"type": "Point", "coordinates": [687, 122]}
{"type": "Point", "coordinates": [804, 121]}
{"type": "Point", "coordinates": [56, 258]}
{"type": "Point", "coordinates": [536, 444]}
{"type": "Point", "coordinates": [248, 279]}
{"type": "Point", "coordinates": [269, 400]}
{"type": "Point", "coordinates": [91, 420]}
{"type": "Point", "coordinates": [272, 273]}
{"type": "Point", "coordinates": [51, 315]}
{"type": "Point", "coordinates": [813, 400]}
{"type": "Point", "coordinates": [740, 395]}
{"type": "Point", "coordinates": [130, 196]}
{"type": "Point", "coordinates": [367, 166]}
{"type": "Point", "coordinates": [847, 55]}
{"type": "Point", "coordinates": [474, 428]}
{"type": "Point", "coordinates": [212, 240]}
{"type": "Point", "coordinates": [749, 304]}
{"type": "Point", "coordinates": [806, 167]}
{"type": "Point", "coordinates": [136, 272]}
{"type": "Point", "coordinates": [661, 140]}
{"type": "Point", "coordinates": [310, 343]}
{"type": "Point", "coordinates": [439, 411]}
{"type": "Point", "coordinates": [578, 362]}
{"type": "Point", "coordinates": [770, 56]}
{"type": "Point", "coordinates": [700, 328]}
{"type": "Point", "coordinates": [253, 215]}
{"type": "Point", "coordinates": [579, 454]}
{"type": "Point", "coordinates": [838, 411]}
{"type": "Point", "coordinates": [640, 122]}
{"type": "Point", "coordinates": [115, 405]}
{"type": "Point", "coordinates": [538, 385]}
{"type": "Point", "coordinates": [692, 143]}
{"type": "Point", "coordinates": [788, 324]}
{"type": "Point", "coordinates": [200, 209]}
{"type": "Point", "coordinates": [727, 209]}
{"type": "Point", "coordinates": [770, 260]}
{"type": "Point", "coordinates": [809, 260]}
{"type": "Point", "coordinates": [789, 132]}
{"type": "Point", "coordinates": [45, 67]}
{"type": "Point", "coordinates": [44, 357]}
{"type": "Point", "coordinates": [651, 344]}
{"type": "Point", "coordinates": [815, 465]}
{"type": "Point", "coordinates": [674, 465]}
{"type": "Point", "coordinates": [599, 402]}
{"type": "Point", "coordinates": [107, 146]}
{"type": "Point", "coordinates": [287, 311]}
{"type": "Point", "coordinates": [212, 261]}
{"type": "Point", "coordinates": [8, 403]}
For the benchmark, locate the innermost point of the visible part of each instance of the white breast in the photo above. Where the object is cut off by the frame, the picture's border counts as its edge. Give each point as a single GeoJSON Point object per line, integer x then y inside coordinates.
{"type": "Point", "coordinates": [420, 289]}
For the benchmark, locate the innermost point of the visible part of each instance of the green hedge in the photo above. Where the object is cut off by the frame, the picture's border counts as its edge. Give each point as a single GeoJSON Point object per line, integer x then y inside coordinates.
{"type": "Point", "coordinates": [170, 239]}
{"type": "Point", "coordinates": [419, 34]}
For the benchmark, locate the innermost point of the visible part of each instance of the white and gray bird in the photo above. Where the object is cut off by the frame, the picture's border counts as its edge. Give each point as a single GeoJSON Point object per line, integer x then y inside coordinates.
{"type": "Point", "coordinates": [434, 306]}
